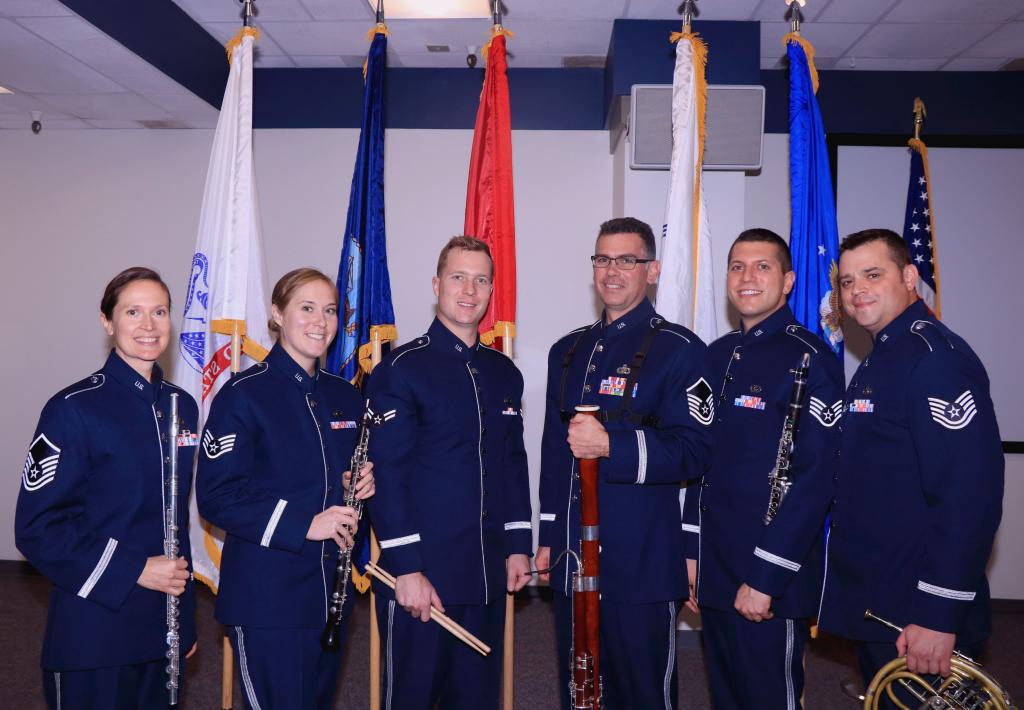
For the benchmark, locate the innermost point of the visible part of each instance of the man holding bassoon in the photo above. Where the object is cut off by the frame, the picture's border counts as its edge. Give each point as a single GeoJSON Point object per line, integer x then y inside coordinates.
{"type": "Point", "coordinates": [652, 431]}
{"type": "Point", "coordinates": [452, 510]}
{"type": "Point", "coordinates": [759, 575]}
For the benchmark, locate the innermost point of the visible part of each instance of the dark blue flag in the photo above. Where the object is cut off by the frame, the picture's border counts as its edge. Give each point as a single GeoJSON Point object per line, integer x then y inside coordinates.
{"type": "Point", "coordinates": [918, 226]}
{"type": "Point", "coordinates": [814, 236]}
{"type": "Point", "coordinates": [363, 282]}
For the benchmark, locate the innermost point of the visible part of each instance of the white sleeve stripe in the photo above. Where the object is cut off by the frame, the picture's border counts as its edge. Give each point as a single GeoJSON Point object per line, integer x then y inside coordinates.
{"type": "Point", "coordinates": [548, 517]}
{"type": "Point", "coordinates": [691, 528]}
{"type": "Point", "coordinates": [776, 560]}
{"type": "Point", "coordinates": [275, 518]}
{"type": "Point", "coordinates": [99, 569]}
{"type": "Point", "coordinates": [519, 525]}
{"type": "Point", "coordinates": [399, 541]}
{"type": "Point", "coordinates": [947, 593]}
{"type": "Point", "coordinates": [641, 454]}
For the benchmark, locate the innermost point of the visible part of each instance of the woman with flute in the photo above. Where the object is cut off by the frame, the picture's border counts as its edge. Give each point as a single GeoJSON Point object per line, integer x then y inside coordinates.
{"type": "Point", "coordinates": [271, 473]}
{"type": "Point", "coordinates": [91, 518]}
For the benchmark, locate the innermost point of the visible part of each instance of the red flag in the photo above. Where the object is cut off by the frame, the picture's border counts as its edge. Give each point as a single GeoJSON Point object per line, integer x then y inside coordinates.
{"type": "Point", "coordinates": [490, 212]}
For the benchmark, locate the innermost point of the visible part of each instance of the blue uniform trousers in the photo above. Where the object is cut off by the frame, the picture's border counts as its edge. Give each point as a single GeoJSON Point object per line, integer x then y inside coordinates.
{"type": "Point", "coordinates": [753, 665]}
{"type": "Point", "coordinates": [871, 657]}
{"type": "Point", "coordinates": [139, 686]}
{"type": "Point", "coordinates": [638, 653]}
{"type": "Point", "coordinates": [424, 664]}
{"type": "Point", "coordinates": [284, 668]}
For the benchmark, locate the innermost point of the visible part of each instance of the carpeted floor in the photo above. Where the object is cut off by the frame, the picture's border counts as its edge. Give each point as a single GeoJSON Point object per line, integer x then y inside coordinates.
{"type": "Point", "coordinates": [23, 599]}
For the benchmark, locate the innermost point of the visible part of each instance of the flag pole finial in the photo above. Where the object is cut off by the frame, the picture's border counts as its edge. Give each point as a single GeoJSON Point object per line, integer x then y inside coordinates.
{"type": "Point", "coordinates": [920, 113]}
{"type": "Point", "coordinates": [380, 12]}
{"type": "Point", "coordinates": [689, 11]}
{"type": "Point", "coordinates": [795, 15]}
{"type": "Point", "coordinates": [496, 13]}
{"type": "Point", "coordinates": [248, 12]}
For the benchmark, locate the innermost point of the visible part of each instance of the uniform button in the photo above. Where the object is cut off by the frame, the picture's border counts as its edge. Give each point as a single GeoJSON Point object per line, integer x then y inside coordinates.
{"type": "Point", "coordinates": [159, 414]}
{"type": "Point", "coordinates": [163, 437]}
{"type": "Point", "coordinates": [483, 412]}
{"type": "Point", "coordinates": [312, 403]}
{"type": "Point", "coordinates": [592, 368]}
{"type": "Point", "coordinates": [483, 494]}
{"type": "Point", "coordinates": [600, 348]}
{"type": "Point", "coordinates": [167, 459]}
{"type": "Point", "coordinates": [326, 556]}
{"type": "Point", "coordinates": [330, 489]}
{"type": "Point", "coordinates": [483, 451]}
{"type": "Point", "coordinates": [838, 452]}
{"type": "Point", "coordinates": [728, 378]}
{"type": "Point", "coordinates": [705, 484]}
{"type": "Point", "coordinates": [575, 498]}
{"type": "Point", "coordinates": [484, 473]}
{"type": "Point", "coordinates": [835, 476]}
{"type": "Point", "coordinates": [703, 508]}
{"type": "Point", "coordinates": [484, 515]}
{"type": "Point", "coordinates": [483, 431]}
{"type": "Point", "coordinates": [586, 388]}
{"type": "Point", "coordinates": [835, 501]}
{"type": "Point", "coordinates": [576, 475]}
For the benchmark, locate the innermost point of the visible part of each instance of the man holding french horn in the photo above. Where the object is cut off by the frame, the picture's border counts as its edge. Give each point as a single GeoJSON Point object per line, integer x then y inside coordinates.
{"type": "Point", "coordinates": [919, 483]}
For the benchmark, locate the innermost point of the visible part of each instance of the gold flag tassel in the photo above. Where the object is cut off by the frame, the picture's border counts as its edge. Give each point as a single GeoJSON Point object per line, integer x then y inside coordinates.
{"type": "Point", "coordinates": [237, 40]}
{"type": "Point", "coordinates": [379, 28]}
{"type": "Point", "coordinates": [916, 144]}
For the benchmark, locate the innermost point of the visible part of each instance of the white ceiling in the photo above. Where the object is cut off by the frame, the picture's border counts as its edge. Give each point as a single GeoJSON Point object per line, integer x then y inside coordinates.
{"type": "Point", "coordinates": [78, 77]}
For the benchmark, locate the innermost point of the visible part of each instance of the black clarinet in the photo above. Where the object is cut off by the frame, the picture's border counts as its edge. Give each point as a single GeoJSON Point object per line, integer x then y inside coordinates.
{"type": "Point", "coordinates": [331, 638]}
{"type": "Point", "coordinates": [781, 477]}
{"type": "Point", "coordinates": [171, 553]}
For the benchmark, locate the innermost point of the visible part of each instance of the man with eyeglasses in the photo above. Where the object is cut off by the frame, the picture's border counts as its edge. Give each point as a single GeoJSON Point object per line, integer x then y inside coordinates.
{"type": "Point", "coordinates": [648, 377]}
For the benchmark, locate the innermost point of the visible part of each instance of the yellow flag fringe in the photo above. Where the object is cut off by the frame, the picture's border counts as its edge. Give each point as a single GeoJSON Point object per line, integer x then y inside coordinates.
{"type": "Point", "coordinates": [237, 40]}
{"type": "Point", "coordinates": [495, 31]}
{"type": "Point", "coordinates": [379, 28]}
{"type": "Point", "coordinates": [809, 51]}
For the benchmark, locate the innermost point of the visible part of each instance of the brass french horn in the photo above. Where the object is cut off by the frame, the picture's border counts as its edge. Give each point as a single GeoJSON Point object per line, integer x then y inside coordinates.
{"type": "Point", "coordinates": [968, 687]}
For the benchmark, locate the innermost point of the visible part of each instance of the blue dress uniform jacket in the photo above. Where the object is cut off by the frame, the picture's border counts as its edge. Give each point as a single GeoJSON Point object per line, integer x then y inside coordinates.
{"type": "Point", "coordinates": [642, 556]}
{"type": "Point", "coordinates": [752, 376]}
{"type": "Point", "coordinates": [273, 453]}
{"type": "Point", "coordinates": [453, 496]}
{"type": "Point", "coordinates": [90, 512]}
{"type": "Point", "coordinates": [919, 492]}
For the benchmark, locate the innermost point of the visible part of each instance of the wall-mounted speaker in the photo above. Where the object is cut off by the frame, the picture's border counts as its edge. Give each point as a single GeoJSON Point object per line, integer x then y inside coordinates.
{"type": "Point", "coordinates": [735, 127]}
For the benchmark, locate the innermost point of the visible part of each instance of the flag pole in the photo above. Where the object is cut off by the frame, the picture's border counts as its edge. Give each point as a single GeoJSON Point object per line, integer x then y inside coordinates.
{"type": "Point", "coordinates": [508, 657]}
{"type": "Point", "coordinates": [375, 357]}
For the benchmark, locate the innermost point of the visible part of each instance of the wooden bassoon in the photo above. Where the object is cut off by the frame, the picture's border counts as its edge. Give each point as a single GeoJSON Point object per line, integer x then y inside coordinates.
{"type": "Point", "coordinates": [586, 595]}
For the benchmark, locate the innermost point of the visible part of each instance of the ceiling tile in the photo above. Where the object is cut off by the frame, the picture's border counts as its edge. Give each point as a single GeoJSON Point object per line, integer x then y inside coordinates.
{"type": "Point", "coordinates": [1007, 41]}
{"type": "Point", "coordinates": [32, 65]}
{"type": "Point", "coordinates": [203, 11]}
{"type": "Point", "coordinates": [184, 106]}
{"type": "Point", "coordinates": [922, 40]}
{"type": "Point", "coordinates": [223, 32]}
{"type": "Point", "coordinates": [548, 10]}
{"type": "Point", "coordinates": [95, 49]}
{"type": "Point", "coordinates": [60, 124]}
{"type": "Point", "coordinates": [273, 61]}
{"type": "Point", "coordinates": [858, 11]}
{"type": "Point", "coordinates": [956, 11]}
{"type": "Point", "coordinates": [113, 123]}
{"type": "Point", "coordinates": [334, 10]}
{"type": "Point", "coordinates": [771, 62]}
{"type": "Point", "coordinates": [888, 64]}
{"type": "Point", "coordinates": [21, 104]}
{"type": "Point", "coordinates": [565, 37]}
{"type": "Point", "coordinates": [321, 38]}
{"type": "Point", "coordinates": [707, 10]}
{"type": "Point", "coordinates": [116, 106]}
{"type": "Point", "coordinates": [324, 61]}
{"type": "Point", "coordinates": [830, 39]}
{"type": "Point", "coordinates": [975, 64]}
{"type": "Point", "coordinates": [33, 8]}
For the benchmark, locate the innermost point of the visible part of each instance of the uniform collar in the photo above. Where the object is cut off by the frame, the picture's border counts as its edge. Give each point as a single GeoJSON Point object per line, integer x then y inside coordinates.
{"type": "Point", "coordinates": [640, 315]}
{"type": "Point", "coordinates": [123, 373]}
{"type": "Point", "coordinates": [282, 362]}
{"type": "Point", "coordinates": [901, 323]}
{"type": "Point", "coordinates": [773, 323]}
{"type": "Point", "coordinates": [447, 341]}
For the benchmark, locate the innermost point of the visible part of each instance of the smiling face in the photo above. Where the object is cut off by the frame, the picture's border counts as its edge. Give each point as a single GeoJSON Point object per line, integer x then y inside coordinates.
{"type": "Point", "coordinates": [622, 290]}
{"type": "Point", "coordinates": [140, 324]}
{"type": "Point", "coordinates": [756, 284]}
{"type": "Point", "coordinates": [308, 322]}
{"type": "Point", "coordinates": [875, 290]}
{"type": "Point", "coordinates": [463, 291]}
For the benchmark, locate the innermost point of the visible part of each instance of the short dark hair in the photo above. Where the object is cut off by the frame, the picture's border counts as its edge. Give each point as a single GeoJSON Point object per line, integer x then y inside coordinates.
{"type": "Point", "coordinates": [898, 249]}
{"type": "Point", "coordinates": [117, 284]}
{"type": "Point", "coordinates": [291, 282]}
{"type": "Point", "coordinates": [760, 234]}
{"type": "Point", "coordinates": [465, 243]}
{"type": "Point", "coordinates": [631, 225]}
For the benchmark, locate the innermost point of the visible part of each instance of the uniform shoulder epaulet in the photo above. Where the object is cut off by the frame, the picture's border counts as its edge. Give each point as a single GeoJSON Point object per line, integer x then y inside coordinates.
{"type": "Point", "coordinates": [670, 328]}
{"type": "Point", "coordinates": [575, 332]}
{"type": "Point", "coordinates": [724, 339]}
{"type": "Point", "coordinates": [250, 372]}
{"type": "Point", "coordinates": [806, 337]}
{"type": "Point", "coordinates": [412, 346]}
{"type": "Point", "coordinates": [86, 384]}
{"type": "Point", "coordinates": [497, 352]}
{"type": "Point", "coordinates": [932, 335]}
{"type": "Point", "coordinates": [171, 384]}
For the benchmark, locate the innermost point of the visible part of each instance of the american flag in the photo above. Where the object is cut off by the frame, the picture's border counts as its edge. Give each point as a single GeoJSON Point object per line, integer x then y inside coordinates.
{"type": "Point", "coordinates": [919, 227]}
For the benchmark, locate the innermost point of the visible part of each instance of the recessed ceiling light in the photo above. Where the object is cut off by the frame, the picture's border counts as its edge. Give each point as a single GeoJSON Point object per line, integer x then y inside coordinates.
{"type": "Point", "coordinates": [435, 9]}
{"type": "Point", "coordinates": [5, 90]}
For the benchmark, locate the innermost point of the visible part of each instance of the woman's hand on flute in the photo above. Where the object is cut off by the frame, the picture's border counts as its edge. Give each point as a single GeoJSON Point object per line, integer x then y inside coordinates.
{"type": "Point", "coordinates": [337, 523]}
{"type": "Point", "coordinates": [517, 568]}
{"type": "Point", "coordinates": [366, 486]}
{"type": "Point", "coordinates": [416, 595]}
{"type": "Point", "coordinates": [163, 575]}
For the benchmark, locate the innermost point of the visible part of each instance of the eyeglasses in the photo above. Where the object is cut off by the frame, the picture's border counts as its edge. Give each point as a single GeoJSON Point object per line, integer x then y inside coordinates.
{"type": "Point", "coordinates": [626, 263]}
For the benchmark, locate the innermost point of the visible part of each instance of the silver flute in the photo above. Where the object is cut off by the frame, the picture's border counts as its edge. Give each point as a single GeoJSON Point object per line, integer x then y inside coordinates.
{"type": "Point", "coordinates": [171, 553]}
{"type": "Point", "coordinates": [331, 638]}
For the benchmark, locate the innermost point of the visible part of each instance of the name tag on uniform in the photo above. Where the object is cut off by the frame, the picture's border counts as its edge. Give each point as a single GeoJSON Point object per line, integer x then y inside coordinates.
{"type": "Point", "coordinates": [862, 406]}
{"type": "Point", "coordinates": [343, 424]}
{"type": "Point", "coordinates": [188, 438]}
{"type": "Point", "coordinates": [749, 402]}
{"type": "Point", "coordinates": [510, 411]}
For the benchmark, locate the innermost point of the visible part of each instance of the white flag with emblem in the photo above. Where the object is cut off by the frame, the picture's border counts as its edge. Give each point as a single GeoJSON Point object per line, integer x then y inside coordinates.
{"type": "Point", "coordinates": [226, 284]}
{"type": "Point", "coordinates": [686, 293]}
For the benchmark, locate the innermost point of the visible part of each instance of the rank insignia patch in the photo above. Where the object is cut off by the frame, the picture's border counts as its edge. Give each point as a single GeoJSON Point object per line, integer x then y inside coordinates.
{"type": "Point", "coordinates": [381, 417]}
{"type": "Point", "coordinates": [861, 406]}
{"type": "Point", "coordinates": [827, 415]}
{"type": "Point", "coordinates": [700, 400]}
{"type": "Point", "coordinates": [342, 424]}
{"type": "Point", "coordinates": [188, 438]}
{"type": "Point", "coordinates": [749, 402]}
{"type": "Point", "coordinates": [40, 464]}
{"type": "Point", "coordinates": [215, 447]}
{"type": "Point", "coordinates": [956, 414]}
